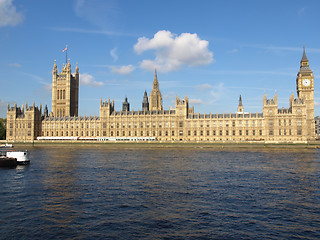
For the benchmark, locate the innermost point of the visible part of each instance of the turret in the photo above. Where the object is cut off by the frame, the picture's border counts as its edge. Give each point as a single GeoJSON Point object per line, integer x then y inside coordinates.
{"type": "Point", "coordinates": [126, 105]}
{"type": "Point", "coordinates": [145, 102]}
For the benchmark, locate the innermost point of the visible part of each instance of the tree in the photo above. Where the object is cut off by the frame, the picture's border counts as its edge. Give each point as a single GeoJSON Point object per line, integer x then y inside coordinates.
{"type": "Point", "coordinates": [2, 129]}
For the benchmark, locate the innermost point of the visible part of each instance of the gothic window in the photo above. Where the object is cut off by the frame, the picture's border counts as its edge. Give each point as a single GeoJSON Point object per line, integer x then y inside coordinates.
{"type": "Point", "coordinates": [299, 122]}
{"type": "Point", "coordinates": [58, 92]}
{"type": "Point", "coordinates": [64, 94]}
{"type": "Point", "coordinates": [271, 123]}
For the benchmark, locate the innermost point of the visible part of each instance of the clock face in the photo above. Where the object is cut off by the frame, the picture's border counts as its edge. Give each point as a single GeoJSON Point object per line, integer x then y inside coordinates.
{"type": "Point", "coordinates": [306, 82]}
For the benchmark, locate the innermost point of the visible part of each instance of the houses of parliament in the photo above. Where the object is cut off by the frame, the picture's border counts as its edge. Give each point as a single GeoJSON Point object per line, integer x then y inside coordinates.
{"type": "Point", "coordinates": [154, 123]}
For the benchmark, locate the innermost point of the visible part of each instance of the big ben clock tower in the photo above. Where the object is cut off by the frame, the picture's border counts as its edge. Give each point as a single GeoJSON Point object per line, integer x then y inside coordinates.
{"type": "Point", "coordinates": [305, 91]}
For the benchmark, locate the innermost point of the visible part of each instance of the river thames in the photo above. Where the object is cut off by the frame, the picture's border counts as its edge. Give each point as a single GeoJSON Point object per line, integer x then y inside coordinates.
{"type": "Point", "coordinates": [95, 192]}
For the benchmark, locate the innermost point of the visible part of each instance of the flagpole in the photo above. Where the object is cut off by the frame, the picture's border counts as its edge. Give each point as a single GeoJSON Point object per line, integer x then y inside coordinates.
{"type": "Point", "coordinates": [66, 54]}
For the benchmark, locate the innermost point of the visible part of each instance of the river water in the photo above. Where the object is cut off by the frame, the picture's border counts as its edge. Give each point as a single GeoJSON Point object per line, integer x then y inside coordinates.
{"type": "Point", "coordinates": [94, 192]}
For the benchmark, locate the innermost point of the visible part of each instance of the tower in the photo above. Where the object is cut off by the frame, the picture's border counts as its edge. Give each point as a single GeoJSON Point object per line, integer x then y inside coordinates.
{"type": "Point", "coordinates": [145, 102]}
{"type": "Point", "coordinates": [155, 95]}
{"type": "Point", "coordinates": [126, 105]}
{"type": "Point", "coordinates": [305, 92]}
{"type": "Point", "coordinates": [240, 106]}
{"type": "Point", "coordinates": [65, 91]}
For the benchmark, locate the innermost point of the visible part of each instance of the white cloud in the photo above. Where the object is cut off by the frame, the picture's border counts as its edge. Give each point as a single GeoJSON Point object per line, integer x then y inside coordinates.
{"type": "Point", "coordinates": [302, 11]}
{"type": "Point", "coordinates": [235, 50]}
{"type": "Point", "coordinates": [196, 101]}
{"type": "Point", "coordinates": [205, 86]}
{"type": "Point", "coordinates": [47, 87]}
{"type": "Point", "coordinates": [217, 92]}
{"type": "Point", "coordinates": [2, 104]}
{"type": "Point", "coordinates": [114, 54]}
{"type": "Point", "coordinates": [173, 52]}
{"type": "Point", "coordinates": [16, 65]}
{"type": "Point", "coordinates": [123, 69]}
{"type": "Point", "coordinates": [87, 79]}
{"type": "Point", "coordinates": [8, 14]}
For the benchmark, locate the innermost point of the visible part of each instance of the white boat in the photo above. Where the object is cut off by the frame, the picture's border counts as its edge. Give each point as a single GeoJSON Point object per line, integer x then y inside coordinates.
{"type": "Point", "coordinates": [21, 156]}
{"type": "Point", "coordinates": [7, 145]}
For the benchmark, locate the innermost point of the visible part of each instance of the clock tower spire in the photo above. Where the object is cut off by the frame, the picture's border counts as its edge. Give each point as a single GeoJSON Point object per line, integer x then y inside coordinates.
{"type": "Point", "coordinates": [305, 91]}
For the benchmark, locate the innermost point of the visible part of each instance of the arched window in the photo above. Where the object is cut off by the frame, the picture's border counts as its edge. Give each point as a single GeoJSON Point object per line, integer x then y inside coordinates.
{"type": "Point", "coordinates": [58, 94]}
{"type": "Point", "coordinates": [64, 94]}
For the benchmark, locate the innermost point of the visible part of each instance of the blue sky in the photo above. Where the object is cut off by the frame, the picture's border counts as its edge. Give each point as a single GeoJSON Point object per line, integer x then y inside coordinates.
{"type": "Point", "coordinates": [211, 51]}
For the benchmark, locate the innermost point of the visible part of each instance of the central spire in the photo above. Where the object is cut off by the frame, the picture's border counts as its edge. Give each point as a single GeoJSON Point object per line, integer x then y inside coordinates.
{"type": "Point", "coordinates": [155, 81]}
{"type": "Point", "coordinates": [155, 96]}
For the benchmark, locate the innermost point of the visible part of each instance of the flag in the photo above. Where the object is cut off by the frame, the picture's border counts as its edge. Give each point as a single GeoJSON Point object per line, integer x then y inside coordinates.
{"type": "Point", "coordinates": [64, 49]}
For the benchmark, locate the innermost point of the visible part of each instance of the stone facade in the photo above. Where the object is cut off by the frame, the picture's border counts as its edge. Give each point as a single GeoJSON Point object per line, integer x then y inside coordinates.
{"type": "Point", "coordinates": [272, 125]}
